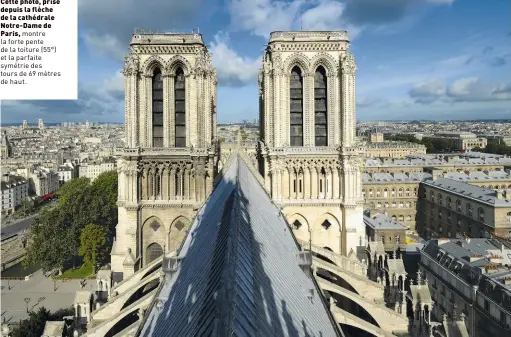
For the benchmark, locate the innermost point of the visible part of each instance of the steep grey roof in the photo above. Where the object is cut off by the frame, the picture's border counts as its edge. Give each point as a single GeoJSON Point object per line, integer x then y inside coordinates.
{"type": "Point", "coordinates": [382, 221]}
{"type": "Point", "coordinates": [240, 274]}
{"type": "Point", "coordinates": [477, 193]}
{"type": "Point", "coordinates": [382, 178]}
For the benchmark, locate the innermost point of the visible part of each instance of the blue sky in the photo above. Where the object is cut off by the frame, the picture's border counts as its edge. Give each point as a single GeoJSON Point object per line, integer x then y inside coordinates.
{"type": "Point", "coordinates": [417, 59]}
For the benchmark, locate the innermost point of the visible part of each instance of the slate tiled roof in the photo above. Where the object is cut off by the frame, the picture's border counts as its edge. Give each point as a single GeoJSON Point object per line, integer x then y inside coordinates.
{"type": "Point", "coordinates": [381, 221]}
{"type": "Point", "coordinates": [240, 274]}
{"type": "Point", "coordinates": [480, 194]}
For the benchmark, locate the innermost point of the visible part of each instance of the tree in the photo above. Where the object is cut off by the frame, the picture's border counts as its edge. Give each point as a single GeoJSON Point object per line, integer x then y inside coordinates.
{"type": "Point", "coordinates": [34, 325]}
{"type": "Point", "coordinates": [26, 207]}
{"type": "Point", "coordinates": [55, 237]}
{"type": "Point", "coordinates": [103, 204]}
{"type": "Point", "coordinates": [50, 243]}
{"type": "Point", "coordinates": [93, 244]}
{"type": "Point", "coordinates": [71, 188]}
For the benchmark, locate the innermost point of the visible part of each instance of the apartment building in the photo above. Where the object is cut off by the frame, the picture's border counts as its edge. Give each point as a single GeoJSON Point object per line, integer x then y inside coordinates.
{"type": "Point", "coordinates": [43, 181]}
{"type": "Point", "coordinates": [448, 207]}
{"type": "Point", "coordinates": [93, 168]}
{"type": "Point", "coordinates": [393, 194]}
{"type": "Point", "coordinates": [14, 191]}
{"type": "Point", "coordinates": [66, 172]}
{"type": "Point", "coordinates": [470, 278]}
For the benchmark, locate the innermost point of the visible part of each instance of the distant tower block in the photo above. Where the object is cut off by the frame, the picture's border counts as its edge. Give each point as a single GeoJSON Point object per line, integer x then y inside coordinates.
{"type": "Point", "coordinates": [167, 168]}
{"type": "Point", "coordinates": [25, 124]}
{"type": "Point", "coordinates": [40, 124]}
{"type": "Point", "coordinates": [309, 156]}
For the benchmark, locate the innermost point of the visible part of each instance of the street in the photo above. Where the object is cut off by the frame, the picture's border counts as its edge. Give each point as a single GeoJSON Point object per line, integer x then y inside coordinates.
{"type": "Point", "coordinates": [17, 226]}
{"type": "Point", "coordinates": [39, 293]}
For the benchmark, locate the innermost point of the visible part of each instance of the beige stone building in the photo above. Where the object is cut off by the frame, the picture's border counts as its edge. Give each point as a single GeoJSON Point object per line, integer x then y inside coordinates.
{"type": "Point", "coordinates": [393, 194]}
{"type": "Point", "coordinates": [167, 168]}
{"type": "Point", "coordinates": [376, 137]}
{"type": "Point", "coordinates": [380, 227]}
{"type": "Point", "coordinates": [393, 149]}
{"type": "Point", "coordinates": [463, 140]}
{"type": "Point", "coordinates": [93, 168]}
{"type": "Point", "coordinates": [429, 162]}
{"type": "Point", "coordinates": [310, 158]}
{"type": "Point", "coordinates": [447, 208]}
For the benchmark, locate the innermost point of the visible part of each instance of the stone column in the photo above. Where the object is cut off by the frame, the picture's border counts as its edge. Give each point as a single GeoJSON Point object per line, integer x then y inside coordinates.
{"type": "Point", "coordinates": [147, 119]}
{"type": "Point", "coordinates": [145, 183]}
{"type": "Point", "coordinates": [209, 180]}
{"type": "Point", "coordinates": [172, 184]}
{"type": "Point", "coordinates": [348, 99]}
{"type": "Point", "coordinates": [165, 183]}
{"type": "Point", "coordinates": [306, 183]}
{"type": "Point", "coordinates": [186, 187]}
{"type": "Point", "coordinates": [330, 184]}
{"type": "Point", "coordinates": [291, 183]}
{"type": "Point", "coordinates": [274, 183]}
{"type": "Point", "coordinates": [153, 183]}
{"type": "Point", "coordinates": [193, 195]}
{"type": "Point", "coordinates": [335, 183]}
{"type": "Point", "coordinates": [279, 184]}
{"type": "Point", "coordinates": [314, 183]}
{"type": "Point", "coordinates": [286, 184]}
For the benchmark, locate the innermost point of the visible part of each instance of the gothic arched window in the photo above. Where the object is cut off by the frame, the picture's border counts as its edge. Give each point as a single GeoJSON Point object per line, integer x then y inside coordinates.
{"type": "Point", "coordinates": [296, 108]}
{"type": "Point", "coordinates": [180, 104]}
{"type": "Point", "coordinates": [320, 107]}
{"type": "Point", "coordinates": [153, 252]}
{"type": "Point", "coordinates": [157, 87]}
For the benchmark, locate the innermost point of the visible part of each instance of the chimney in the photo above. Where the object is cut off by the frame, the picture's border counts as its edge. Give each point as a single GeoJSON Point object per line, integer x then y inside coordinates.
{"type": "Point", "coordinates": [5, 178]}
{"type": "Point", "coordinates": [436, 174]}
{"type": "Point", "coordinates": [499, 195]}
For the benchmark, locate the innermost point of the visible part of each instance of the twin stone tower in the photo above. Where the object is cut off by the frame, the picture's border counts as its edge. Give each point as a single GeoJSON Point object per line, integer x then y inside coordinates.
{"type": "Point", "coordinates": [308, 154]}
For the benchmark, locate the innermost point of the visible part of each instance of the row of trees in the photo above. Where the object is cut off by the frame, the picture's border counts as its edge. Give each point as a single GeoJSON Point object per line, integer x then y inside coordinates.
{"type": "Point", "coordinates": [82, 223]}
{"type": "Point", "coordinates": [433, 145]}
{"type": "Point", "coordinates": [497, 147]}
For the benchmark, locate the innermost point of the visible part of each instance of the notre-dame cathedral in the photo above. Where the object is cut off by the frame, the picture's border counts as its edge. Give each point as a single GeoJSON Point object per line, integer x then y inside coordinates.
{"type": "Point", "coordinates": [308, 155]}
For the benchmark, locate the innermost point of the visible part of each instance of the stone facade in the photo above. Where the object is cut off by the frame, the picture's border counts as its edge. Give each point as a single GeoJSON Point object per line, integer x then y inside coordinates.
{"type": "Point", "coordinates": [447, 208]}
{"type": "Point", "coordinates": [309, 156]}
{"type": "Point", "coordinates": [393, 149]}
{"type": "Point", "coordinates": [167, 168]}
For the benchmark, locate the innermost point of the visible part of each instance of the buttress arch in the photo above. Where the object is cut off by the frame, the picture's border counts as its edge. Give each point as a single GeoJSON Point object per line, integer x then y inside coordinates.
{"type": "Point", "coordinates": [177, 232]}
{"type": "Point", "coordinates": [299, 226]}
{"type": "Point", "coordinates": [326, 232]}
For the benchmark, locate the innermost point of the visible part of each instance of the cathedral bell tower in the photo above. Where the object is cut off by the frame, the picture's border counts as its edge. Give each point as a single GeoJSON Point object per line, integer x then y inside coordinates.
{"type": "Point", "coordinates": [167, 167]}
{"type": "Point", "coordinates": [308, 153]}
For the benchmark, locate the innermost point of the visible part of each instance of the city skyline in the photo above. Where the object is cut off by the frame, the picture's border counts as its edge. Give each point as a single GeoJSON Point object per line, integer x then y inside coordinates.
{"type": "Point", "coordinates": [430, 59]}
